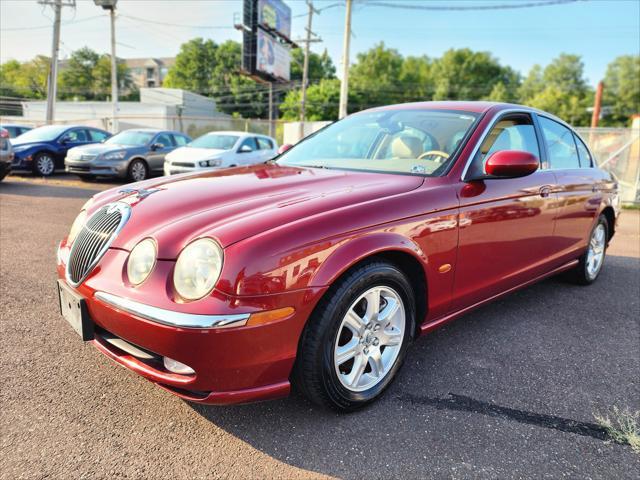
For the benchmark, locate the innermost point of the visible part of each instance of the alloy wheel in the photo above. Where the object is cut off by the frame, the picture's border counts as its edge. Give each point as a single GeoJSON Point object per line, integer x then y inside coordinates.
{"type": "Point", "coordinates": [369, 338]}
{"type": "Point", "coordinates": [595, 254]}
{"type": "Point", "coordinates": [138, 171]}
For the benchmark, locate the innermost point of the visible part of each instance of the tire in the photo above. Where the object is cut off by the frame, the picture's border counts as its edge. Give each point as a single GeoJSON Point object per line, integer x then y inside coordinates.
{"type": "Point", "coordinates": [44, 164]}
{"type": "Point", "coordinates": [87, 178]}
{"type": "Point", "coordinates": [351, 382]}
{"type": "Point", "coordinates": [591, 262]}
{"type": "Point", "coordinates": [137, 171]}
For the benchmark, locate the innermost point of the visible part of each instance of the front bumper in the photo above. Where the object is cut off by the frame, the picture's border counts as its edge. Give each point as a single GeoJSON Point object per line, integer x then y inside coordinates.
{"type": "Point", "coordinates": [98, 168]}
{"type": "Point", "coordinates": [235, 364]}
{"type": "Point", "coordinates": [5, 168]}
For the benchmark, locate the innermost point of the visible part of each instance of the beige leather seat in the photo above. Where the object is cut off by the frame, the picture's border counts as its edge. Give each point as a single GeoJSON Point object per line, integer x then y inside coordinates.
{"type": "Point", "coordinates": [406, 146]}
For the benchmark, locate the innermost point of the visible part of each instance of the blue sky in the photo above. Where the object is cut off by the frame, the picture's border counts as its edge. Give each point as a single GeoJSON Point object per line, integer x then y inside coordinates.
{"type": "Point", "coordinates": [598, 30]}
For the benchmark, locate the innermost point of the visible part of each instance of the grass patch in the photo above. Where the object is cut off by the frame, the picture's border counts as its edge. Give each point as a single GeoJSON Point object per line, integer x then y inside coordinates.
{"type": "Point", "coordinates": [622, 426]}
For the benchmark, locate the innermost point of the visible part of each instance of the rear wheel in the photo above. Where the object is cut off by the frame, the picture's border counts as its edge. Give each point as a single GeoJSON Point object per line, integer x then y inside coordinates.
{"type": "Point", "coordinates": [590, 264]}
{"type": "Point", "coordinates": [138, 171]}
{"type": "Point", "coordinates": [357, 338]}
{"type": "Point", "coordinates": [44, 164]}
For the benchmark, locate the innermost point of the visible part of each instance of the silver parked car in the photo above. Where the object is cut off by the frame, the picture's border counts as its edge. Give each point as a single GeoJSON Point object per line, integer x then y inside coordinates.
{"type": "Point", "coordinates": [133, 154]}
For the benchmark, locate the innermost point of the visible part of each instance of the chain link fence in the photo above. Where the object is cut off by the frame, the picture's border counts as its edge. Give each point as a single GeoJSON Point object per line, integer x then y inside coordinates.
{"type": "Point", "coordinates": [617, 150]}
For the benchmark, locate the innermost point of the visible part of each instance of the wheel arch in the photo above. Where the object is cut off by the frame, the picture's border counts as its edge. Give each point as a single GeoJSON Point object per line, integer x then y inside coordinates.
{"type": "Point", "coordinates": [390, 247]}
{"type": "Point", "coordinates": [610, 215]}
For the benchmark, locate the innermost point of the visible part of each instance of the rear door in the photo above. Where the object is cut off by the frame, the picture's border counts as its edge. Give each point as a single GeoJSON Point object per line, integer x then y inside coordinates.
{"type": "Point", "coordinates": [266, 148]}
{"type": "Point", "coordinates": [578, 195]}
{"type": "Point", "coordinates": [505, 225]}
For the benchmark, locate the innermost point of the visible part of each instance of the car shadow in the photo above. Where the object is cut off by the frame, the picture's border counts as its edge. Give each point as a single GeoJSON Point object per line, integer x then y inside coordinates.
{"type": "Point", "coordinates": [473, 389]}
{"type": "Point", "coordinates": [22, 188]}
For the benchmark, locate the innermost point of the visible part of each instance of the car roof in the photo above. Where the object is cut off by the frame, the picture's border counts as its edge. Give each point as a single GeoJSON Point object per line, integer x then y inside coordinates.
{"type": "Point", "coordinates": [238, 133]}
{"type": "Point", "coordinates": [465, 106]}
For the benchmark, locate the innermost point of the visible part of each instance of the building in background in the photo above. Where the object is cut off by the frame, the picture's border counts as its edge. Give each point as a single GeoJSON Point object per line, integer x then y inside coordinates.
{"type": "Point", "coordinates": [149, 72]}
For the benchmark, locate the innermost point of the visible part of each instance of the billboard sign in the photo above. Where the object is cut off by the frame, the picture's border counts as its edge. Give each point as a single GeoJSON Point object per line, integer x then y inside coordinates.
{"type": "Point", "coordinates": [275, 15]}
{"type": "Point", "coordinates": [272, 57]}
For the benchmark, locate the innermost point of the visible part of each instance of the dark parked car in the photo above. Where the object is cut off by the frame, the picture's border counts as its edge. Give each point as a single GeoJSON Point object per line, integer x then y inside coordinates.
{"type": "Point", "coordinates": [134, 154]}
{"type": "Point", "coordinates": [15, 130]}
{"type": "Point", "coordinates": [6, 153]}
{"type": "Point", "coordinates": [43, 149]}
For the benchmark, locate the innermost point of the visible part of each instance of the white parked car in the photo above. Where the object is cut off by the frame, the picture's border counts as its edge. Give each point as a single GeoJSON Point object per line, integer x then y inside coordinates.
{"type": "Point", "coordinates": [220, 150]}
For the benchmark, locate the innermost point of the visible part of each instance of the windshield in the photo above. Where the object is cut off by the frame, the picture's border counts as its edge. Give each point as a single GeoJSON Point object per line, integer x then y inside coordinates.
{"type": "Point", "coordinates": [131, 137]}
{"type": "Point", "coordinates": [399, 141]}
{"type": "Point", "coordinates": [42, 134]}
{"type": "Point", "coordinates": [219, 142]}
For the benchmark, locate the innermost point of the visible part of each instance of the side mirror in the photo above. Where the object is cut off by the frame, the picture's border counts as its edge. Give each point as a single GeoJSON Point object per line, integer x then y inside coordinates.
{"type": "Point", "coordinates": [511, 164]}
{"type": "Point", "coordinates": [284, 148]}
{"type": "Point", "coordinates": [246, 149]}
{"type": "Point", "coordinates": [157, 146]}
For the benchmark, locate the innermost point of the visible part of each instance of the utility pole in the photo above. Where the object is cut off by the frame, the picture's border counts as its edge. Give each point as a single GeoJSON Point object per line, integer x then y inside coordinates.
{"type": "Point", "coordinates": [597, 105]}
{"type": "Point", "coordinates": [305, 69]}
{"type": "Point", "coordinates": [111, 6]}
{"type": "Point", "coordinates": [52, 87]}
{"type": "Point", "coordinates": [344, 85]}
{"type": "Point", "coordinates": [271, 129]}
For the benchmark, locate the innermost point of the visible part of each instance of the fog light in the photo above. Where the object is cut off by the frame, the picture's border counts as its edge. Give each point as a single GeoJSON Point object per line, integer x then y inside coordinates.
{"type": "Point", "coordinates": [177, 367]}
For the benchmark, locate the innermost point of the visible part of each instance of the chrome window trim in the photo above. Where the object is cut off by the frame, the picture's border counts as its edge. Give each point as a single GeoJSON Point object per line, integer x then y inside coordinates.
{"type": "Point", "coordinates": [125, 212]}
{"type": "Point", "coordinates": [170, 317]}
{"type": "Point", "coordinates": [486, 131]}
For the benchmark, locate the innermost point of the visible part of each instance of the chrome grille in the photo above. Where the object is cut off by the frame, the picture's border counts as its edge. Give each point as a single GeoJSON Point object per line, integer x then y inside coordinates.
{"type": "Point", "coordinates": [94, 239]}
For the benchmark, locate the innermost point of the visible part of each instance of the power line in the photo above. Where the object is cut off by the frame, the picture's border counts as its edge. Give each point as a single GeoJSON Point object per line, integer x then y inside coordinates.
{"type": "Point", "coordinates": [42, 27]}
{"type": "Point", "coordinates": [179, 25]}
{"type": "Point", "coordinates": [503, 6]}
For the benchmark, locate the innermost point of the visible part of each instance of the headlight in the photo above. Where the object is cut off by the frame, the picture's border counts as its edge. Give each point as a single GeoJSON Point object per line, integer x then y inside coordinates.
{"type": "Point", "coordinates": [197, 269]}
{"type": "Point", "coordinates": [114, 155]}
{"type": "Point", "coordinates": [213, 162]}
{"type": "Point", "coordinates": [142, 259]}
{"type": "Point", "coordinates": [76, 226]}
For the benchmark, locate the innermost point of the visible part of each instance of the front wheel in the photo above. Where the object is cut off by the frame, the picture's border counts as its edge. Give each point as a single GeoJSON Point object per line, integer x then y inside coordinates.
{"type": "Point", "coordinates": [590, 264]}
{"type": "Point", "coordinates": [356, 340]}
{"type": "Point", "coordinates": [44, 164]}
{"type": "Point", "coordinates": [138, 171]}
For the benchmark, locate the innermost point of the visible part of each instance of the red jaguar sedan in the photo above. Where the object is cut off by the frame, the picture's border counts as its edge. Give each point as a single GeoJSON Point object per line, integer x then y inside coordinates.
{"type": "Point", "coordinates": [319, 268]}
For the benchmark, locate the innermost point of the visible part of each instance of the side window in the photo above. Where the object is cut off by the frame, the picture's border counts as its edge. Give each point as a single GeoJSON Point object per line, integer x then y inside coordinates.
{"type": "Point", "coordinates": [98, 136]}
{"type": "Point", "coordinates": [180, 140]}
{"type": "Point", "coordinates": [77, 135]}
{"type": "Point", "coordinates": [249, 142]}
{"type": "Point", "coordinates": [164, 139]}
{"type": "Point", "coordinates": [514, 132]}
{"type": "Point", "coordinates": [560, 145]}
{"type": "Point", "coordinates": [264, 143]}
{"type": "Point", "coordinates": [583, 152]}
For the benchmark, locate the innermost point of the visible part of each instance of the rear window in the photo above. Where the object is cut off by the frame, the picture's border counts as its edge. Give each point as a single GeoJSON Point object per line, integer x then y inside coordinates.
{"type": "Point", "coordinates": [264, 143]}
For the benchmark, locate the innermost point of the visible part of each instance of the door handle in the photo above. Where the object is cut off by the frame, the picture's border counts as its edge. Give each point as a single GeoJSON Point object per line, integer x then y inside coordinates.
{"type": "Point", "coordinates": [545, 191]}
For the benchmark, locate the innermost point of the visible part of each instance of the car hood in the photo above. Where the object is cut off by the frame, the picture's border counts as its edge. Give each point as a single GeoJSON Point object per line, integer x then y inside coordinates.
{"type": "Point", "coordinates": [233, 204]}
{"type": "Point", "coordinates": [101, 148]}
{"type": "Point", "coordinates": [16, 143]}
{"type": "Point", "coordinates": [190, 154]}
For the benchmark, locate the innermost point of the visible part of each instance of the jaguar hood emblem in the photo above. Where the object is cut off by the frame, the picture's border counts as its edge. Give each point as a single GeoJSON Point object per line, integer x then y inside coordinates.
{"type": "Point", "coordinates": [140, 193]}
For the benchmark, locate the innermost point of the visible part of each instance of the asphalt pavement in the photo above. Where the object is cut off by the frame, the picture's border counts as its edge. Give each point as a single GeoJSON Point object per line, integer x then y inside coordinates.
{"type": "Point", "coordinates": [508, 391]}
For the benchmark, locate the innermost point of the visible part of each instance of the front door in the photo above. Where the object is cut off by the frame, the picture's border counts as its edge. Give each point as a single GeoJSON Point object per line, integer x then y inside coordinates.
{"type": "Point", "coordinates": [160, 147]}
{"type": "Point", "coordinates": [505, 225]}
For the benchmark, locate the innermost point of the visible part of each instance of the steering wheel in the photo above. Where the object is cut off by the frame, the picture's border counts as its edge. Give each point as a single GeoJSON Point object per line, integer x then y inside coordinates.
{"type": "Point", "coordinates": [435, 153]}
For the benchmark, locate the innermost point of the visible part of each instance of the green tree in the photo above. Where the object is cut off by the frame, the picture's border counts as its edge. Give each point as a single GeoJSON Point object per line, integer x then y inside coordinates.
{"type": "Point", "coordinates": [101, 75]}
{"type": "Point", "coordinates": [415, 79]}
{"type": "Point", "coordinates": [194, 66]}
{"type": "Point", "coordinates": [560, 89]}
{"type": "Point", "coordinates": [25, 80]}
{"type": "Point", "coordinates": [499, 93]}
{"type": "Point", "coordinates": [374, 77]}
{"type": "Point", "coordinates": [322, 102]}
{"type": "Point", "coordinates": [76, 78]}
{"type": "Point", "coordinates": [622, 89]}
{"type": "Point", "coordinates": [463, 74]}
{"type": "Point", "coordinates": [320, 66]}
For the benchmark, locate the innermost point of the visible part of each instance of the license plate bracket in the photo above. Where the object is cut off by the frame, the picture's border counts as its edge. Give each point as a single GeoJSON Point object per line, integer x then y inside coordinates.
{"type": "Point", "coordinates": [74, 310]}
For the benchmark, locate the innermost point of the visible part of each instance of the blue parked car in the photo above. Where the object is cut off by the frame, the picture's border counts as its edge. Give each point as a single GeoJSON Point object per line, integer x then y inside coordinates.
{"type": "Point", "coordinates": [44, 149]}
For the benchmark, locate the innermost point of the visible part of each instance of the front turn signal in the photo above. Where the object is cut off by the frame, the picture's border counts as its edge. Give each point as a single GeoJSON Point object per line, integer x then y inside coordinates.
{"type": "Point", "coordinates": [270, 316]}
